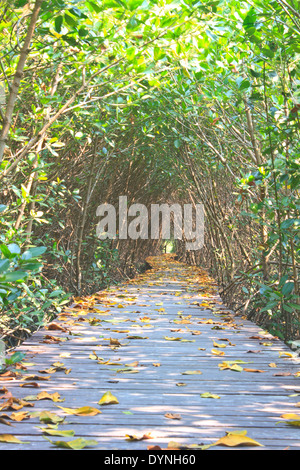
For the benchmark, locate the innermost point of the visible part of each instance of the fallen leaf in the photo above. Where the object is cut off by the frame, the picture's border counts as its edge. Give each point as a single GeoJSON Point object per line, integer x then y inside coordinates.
{"type": "Point", "coordinates": [286, 354]}
{"type": "Point", "coordinates": [237, 438]}
{"type": "Point", "coordinates": [219, 345]}
{"type": "Point", "coordinates": [76, 444]}
{"type": "Point", "coordinates": [82, 411]}
{"type": "Point", "coordinates": [49, 396]}
{"type": "Point", "coordinates": [172, 416]}
{"type": "Point", "coordinates": [48, 417]}
{"type": "Point", "coordinates": [282, 374]}
{"type": "Point", "coordinates": [292, 419]}
{"type": "Point", "coordinates": [56, 432]}
{"type": "Point", "coordinates": [209, 395]}
{"type": "Point", "coordinates": [217, 353]}
{"type": "Point", "coordinates": [55, 326]}
{"type": "Point", "coordinates": [10, 439]}
{"type": "Point", "coordinates": [133, 437]}
{"type": "Point", "coordinates": [19, 416]}
{"type": "Point", "coordinates": [191, 372]}
{"type": "Point", "coordinates": [108, 399]}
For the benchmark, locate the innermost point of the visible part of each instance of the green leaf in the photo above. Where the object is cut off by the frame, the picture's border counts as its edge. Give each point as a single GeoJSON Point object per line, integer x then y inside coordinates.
{"type": "Point", "coordinates": [56, 432]}
{"type": "Point", "coordinates": [16, 357]}
{"type": "Point", "coordinates": [77, 444]}
{"type": "Point", "coordinates": [4, 265]}
{"type": "Point", "coordinates": [33, 252]}
{"type": "Point", "coordinates": [287, 288]}
{"type": "Point", "coordinates": [14, 276]}
{"type": "Point", "coordinates": [58, 23]}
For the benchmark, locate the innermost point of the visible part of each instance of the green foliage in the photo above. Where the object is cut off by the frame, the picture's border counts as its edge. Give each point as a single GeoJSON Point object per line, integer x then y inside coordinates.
{"type": "Point", "coordinates": [162, 101]}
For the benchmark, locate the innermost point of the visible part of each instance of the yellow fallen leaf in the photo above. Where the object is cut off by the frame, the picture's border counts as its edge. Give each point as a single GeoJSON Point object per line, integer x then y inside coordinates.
{"type": "Point", "coordinates": [191, 372]}
{"type": "Point", "coordinates": [19, 416]}
{"type": "Point", "coordinates": [217, 353]}
{"type": "Point", "coordinates": [173, 445]}
{"type": "Point", "coordinates": [292, 419]}
{"type": "Point", "coordinates": [285, 354]}
{"type": "Point", "coordinates": [10, 439]}
{"type": "Point", "coordinates": [237, 438]}
{"type": "Point", "coordinates": [108, 399]}
{"type": "Point", "coordinates": [209, 395]}
{"type": "Point", "coordinates": [83, 411]}
{"type": "Point", "coordinates": [49, 396]}
{"type": "Point", "coordinates": [219, 345]}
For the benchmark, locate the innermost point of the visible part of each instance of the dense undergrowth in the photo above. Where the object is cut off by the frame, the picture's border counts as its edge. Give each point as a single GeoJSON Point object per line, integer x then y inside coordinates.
{"type": "Point", "coordinates": [164, 102]}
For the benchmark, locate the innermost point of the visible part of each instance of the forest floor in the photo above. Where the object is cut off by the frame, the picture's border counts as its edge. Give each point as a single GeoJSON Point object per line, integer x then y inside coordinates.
{"type": "Point", "coordinates": [157, 362]}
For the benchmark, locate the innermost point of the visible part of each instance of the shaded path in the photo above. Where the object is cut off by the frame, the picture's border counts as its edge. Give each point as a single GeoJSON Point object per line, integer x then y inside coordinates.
{"type": "Point", "coordinates": [157, 344]}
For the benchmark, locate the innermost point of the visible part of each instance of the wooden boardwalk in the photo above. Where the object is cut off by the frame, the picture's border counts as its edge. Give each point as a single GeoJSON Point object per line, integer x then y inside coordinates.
{"type": "Point", "coordinates": [170, 352]}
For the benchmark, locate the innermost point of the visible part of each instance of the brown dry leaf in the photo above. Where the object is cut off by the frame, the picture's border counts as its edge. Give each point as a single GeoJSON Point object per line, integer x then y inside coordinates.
{"type": "Point", "coordinates": [36, 377]}
{"type": "Point", "coordinates": [133, 437]}
{"type": "Point", "coordinates": [3, 420]}
{"type": "Point", "coordinates": [30, 385]}
{"type": "Point", "coordinates": [8, 375]}
{"type": "Point", "coordinates": [48, 339]}
{"type": "Point", "coordinates": [136, 337]}
{"type": "Point", "coordinates": [172, 416]}
{"type": "Point", "coordinates": [55, 326]}
{"type": "Point", "coordinates": [19, 416]}
{"type": "Point", "coordinates": [114, 342]}
{"type": "Point", "coordinates": [14, 404]}
{"type": "Point", "coordinates": [246, 369]}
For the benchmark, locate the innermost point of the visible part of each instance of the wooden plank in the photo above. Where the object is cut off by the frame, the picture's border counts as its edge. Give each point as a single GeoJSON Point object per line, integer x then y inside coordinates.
{"type": "Point", "coordinates": [252, 401]}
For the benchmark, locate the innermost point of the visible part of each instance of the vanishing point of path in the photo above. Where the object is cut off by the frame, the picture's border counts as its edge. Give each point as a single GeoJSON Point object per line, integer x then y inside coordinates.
{"type": "Point", "coordinates": [181, 370]}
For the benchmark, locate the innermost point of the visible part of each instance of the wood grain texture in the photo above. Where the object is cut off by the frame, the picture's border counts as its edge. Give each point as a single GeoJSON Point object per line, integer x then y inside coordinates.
{"type": "Point", "coordinates": [156, 362]}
